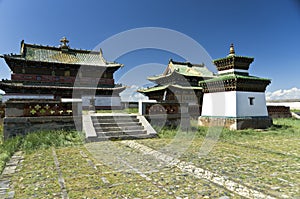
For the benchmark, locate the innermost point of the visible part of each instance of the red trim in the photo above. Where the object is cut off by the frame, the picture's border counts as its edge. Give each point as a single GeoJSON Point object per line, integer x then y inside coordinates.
{"type": "Point", "coordinates": [61, 79]}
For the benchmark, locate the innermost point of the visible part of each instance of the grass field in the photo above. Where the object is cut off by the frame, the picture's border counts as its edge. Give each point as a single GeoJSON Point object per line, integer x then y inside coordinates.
{"type": "Point", "coordinates": [267, 161]}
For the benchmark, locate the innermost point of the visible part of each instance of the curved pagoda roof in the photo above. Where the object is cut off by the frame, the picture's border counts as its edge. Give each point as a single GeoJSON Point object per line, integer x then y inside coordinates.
{"type": "Point", "coordinates": [170, 86]}
{"type": "Point", "coordinates": [62, 54]}
{"type": "Point", "coordinates": [185, 69]}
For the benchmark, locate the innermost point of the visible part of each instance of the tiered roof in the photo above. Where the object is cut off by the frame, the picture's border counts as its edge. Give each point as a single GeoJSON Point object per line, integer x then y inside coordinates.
{"type": "Point", "coordinates": [39, 55]}
{"type": "Point", "coordinates": [170, 86]}
{"type": "Point", "coordinates": [235, 76]}
{"type": "Point", "coordinates": [61, 55]}
{"type": "Point", "coordinates": [185, 69]}
{"type": "Point", "coordinates": [175, 74]}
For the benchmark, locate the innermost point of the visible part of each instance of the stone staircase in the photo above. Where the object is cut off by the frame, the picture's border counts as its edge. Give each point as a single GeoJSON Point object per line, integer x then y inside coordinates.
{"type": "Point", "coordinates": [120, 127]}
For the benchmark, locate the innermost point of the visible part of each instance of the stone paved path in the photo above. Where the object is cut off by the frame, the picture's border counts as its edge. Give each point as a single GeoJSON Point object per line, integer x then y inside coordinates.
{"type": "Point", "coordinates": [6, 190]}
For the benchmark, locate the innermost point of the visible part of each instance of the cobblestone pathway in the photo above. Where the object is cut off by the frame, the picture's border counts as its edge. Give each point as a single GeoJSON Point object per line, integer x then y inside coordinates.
{"type": "Point", "coordinates": [6, 188]}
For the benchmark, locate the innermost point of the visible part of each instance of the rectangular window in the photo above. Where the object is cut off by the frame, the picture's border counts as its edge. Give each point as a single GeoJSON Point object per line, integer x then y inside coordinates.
{"type": "Point", "coordinates": [67, 73]}
{"type": "Point", "coordinates": [38, 78]}
{"type": "Point", "coordinates": [251, 100]}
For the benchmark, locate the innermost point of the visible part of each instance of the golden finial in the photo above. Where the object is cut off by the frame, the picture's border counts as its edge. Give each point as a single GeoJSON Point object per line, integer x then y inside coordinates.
{"type": "Point", "coordinates": [231, 50]}
{"type": "Point", "coordinates": [64, 42]}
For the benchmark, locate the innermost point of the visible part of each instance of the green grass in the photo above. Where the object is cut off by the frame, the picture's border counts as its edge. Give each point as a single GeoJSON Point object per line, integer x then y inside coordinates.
{"type": "Point", "coordinates": [7, 149]}
{"type": "Point", "coordinates": [295, 110]}
{"type": "Point", "coordinates": [285, 127]}
{"type": "Point", "coordinates": [36, 141]}
{"type": "Point", "coordinates": [47, 139]}
{"type": "Point", "coordinates": [262, 159]}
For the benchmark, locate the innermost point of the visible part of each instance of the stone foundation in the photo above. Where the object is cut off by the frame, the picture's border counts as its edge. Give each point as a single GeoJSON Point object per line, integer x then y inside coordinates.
{"type": "Point", "coordinates": [236, 123]}
{"type": "Point", "coordinates": [14, 126]}
{"type": "Point", "coordinates": [171, 120]}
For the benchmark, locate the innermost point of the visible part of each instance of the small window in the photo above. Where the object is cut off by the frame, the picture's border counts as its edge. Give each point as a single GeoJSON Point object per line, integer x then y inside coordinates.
{"type": "Point", "coordinates": [53, 73]}
{"type": "Point", "coordinates": [251, 100]}
{"type": "Point", "coordinates": [67, 73]}
{"type": "Point", "coordinates": [38, 78]}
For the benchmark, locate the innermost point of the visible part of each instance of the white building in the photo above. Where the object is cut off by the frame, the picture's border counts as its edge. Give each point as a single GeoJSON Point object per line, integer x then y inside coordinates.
{"type": "Point", "coordinates": [234, 99]}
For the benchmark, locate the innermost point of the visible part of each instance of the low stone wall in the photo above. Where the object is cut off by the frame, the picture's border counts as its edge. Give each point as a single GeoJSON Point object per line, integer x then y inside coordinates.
{"type": "Point", "coordinates": [23, 116]}
{"type": "Point", "coordinates": [236, 123]}
{"type": "Point", "coordinates": [279, 111]}
{"type": "Point", "coordinates": [165, 114]}
{"type": "Point", "coordinates": [14, 126]}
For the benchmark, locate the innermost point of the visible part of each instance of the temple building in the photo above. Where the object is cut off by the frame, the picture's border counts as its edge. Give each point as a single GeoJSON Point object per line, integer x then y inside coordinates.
{"type": "Point", "coordinates": [179, 83]}
{"type": "Point", "coordinates": [48, 72]}
{"type": "Point", "coordinates": [234, 98]}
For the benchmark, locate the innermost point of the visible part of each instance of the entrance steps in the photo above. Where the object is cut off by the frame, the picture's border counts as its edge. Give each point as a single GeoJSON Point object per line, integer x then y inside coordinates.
{"type": "Point", "coordinates": [101, 127]}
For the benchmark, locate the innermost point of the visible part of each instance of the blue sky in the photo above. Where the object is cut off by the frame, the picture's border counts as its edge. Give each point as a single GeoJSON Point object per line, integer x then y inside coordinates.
{"type": "Point", "coordinates": [269, 31]}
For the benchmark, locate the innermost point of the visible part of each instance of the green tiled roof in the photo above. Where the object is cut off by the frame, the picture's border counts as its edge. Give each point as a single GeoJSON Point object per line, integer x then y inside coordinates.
{"type": "Point", "coordinates": [158, 88]}
{"type": "Point", "coordinates": [185, 69]}
{"type": "Point", "coordinates": [230, 56]}
{"type": "Point", "coordinates": [64, 55]}
{"type": "Point", "coordinates": [233, 76]}
{"type": "Point", "coordinates": [188, 69]}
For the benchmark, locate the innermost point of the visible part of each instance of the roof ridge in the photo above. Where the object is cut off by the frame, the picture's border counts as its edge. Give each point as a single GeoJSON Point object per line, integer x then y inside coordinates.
{"type": "Point", "coordinates": [187, 63]}
{"type": "Point", "coordinates": [59, 48]}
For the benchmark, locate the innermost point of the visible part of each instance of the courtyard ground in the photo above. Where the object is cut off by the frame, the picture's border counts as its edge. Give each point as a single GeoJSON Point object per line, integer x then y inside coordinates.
{"type": "Point", "coordinates": [262, 162]}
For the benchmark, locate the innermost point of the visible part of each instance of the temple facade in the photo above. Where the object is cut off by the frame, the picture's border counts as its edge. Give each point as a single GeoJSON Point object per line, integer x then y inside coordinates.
{"type": "Point", "coordinates": [48, 72]}
{"type": "Point", "coordinates": [179, 84]}
{"type": "Point", "coordinates": [234, 98]}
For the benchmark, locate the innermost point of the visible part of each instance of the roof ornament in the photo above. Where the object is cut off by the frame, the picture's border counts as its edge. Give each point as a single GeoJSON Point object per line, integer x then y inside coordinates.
{"type": "Point", "coordinates": [64, 42]}
{"type": "Point", "coordinates": [231, 50]}
{"type": "Point", "coordinates": [101, 56]}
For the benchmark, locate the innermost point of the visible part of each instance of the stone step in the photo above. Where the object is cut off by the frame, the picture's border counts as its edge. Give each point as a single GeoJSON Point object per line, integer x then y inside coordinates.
{"type": "Point", "coordinates": [118, 128]}
{"type": "Point", "coordinates": [117, 124]}
{"type": "Point", "coordinates": [116, 120]}
{"type": "Point", "coordinates": [121, 137]}
{"type": "Point", "coordinates": [121, 133]}
{"type": "Point", "coordinates": [114, 117]}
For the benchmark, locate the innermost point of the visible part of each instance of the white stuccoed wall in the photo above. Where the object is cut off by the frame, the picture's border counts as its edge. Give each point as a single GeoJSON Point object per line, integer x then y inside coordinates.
{"type": "Point", "coordinates": [219, 104]}
{"type": "Point", "coordinates": [18, 96]}
{"type": "Point", "coordinates": [259, 107]}
{"type": "Point", "coordinates": [234, 104]}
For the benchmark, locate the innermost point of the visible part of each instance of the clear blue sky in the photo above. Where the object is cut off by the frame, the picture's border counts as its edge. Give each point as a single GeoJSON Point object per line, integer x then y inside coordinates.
{"type": "Point", "coordinates": [267, 30]}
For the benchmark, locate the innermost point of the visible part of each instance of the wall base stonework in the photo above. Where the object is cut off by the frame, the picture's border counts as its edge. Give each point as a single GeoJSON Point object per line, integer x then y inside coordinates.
{"type": "Point", "coordinates": [236, 123]}
{"type": "Point", "coordinates": [169, 120]}
{"type": "Point", "coordinates": [14, 126]}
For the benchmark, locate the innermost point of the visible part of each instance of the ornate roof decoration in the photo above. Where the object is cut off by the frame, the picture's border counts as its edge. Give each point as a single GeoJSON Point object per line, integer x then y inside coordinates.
{"type": "Point", "coordinates": [233, 61]}
{"type": "Point", "coordinates": [61, 55]}
{"type": "Point", "coordinates": [163, 87]}
{"type": "Point", "coordinates": [185, 69]}
{"type": "Point", "coordinates": [235, 82]}
{"type": "Point", "coordinates": [231, 50]}
{"type": "Point", "coordinates": [64, 42]}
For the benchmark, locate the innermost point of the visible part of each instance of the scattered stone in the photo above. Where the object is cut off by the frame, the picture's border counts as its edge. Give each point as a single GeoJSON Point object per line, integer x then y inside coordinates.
{"type": "Point", "coordinates": [224, 197]}
{"type": "Point", "coordinates": [275, 188]}
{"type": "Point", "coordinates": [83, 154]}
{"type": "Point", "coordinates": [284, 196]}
{"type": "Point", "coordinates": [282, 180]}
{"type": "Point", "coordinates": [104, 180]}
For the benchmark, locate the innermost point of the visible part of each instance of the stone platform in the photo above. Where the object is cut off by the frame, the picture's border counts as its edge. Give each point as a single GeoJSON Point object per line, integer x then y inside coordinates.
{"type": "Point", "coordinates": [236, 123]}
